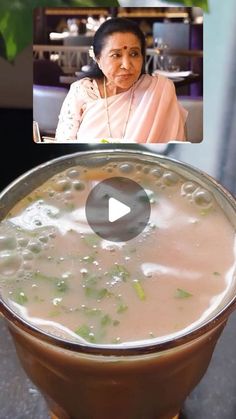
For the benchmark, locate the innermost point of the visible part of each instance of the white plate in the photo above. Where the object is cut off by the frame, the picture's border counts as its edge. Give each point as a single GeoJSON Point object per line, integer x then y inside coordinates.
{"type": "Point", "coordinates": [173, 74]}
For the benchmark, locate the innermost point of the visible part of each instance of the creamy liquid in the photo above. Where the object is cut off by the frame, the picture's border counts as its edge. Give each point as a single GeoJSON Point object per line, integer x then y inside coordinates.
{"type": "Point", "coordinates": [66, 280]}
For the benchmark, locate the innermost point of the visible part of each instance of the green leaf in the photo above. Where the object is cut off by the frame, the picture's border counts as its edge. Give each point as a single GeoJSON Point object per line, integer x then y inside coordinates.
{"type": "Point", "coordinates": [104, 141]}
{"type": "Point", "coordinates": [98, 294]}
{"type": "Point", "coordinates": [41, 277]}
{"type": "Point", "coordinates": [62, 286]}
{"type": "Point", "coordinates": [91, 311]}
{"type": "Point", "coordinates": [180, 293]}
{"type": "Point", "coordinates": [85, 332]}
{"type": "Point", "coordinates": [121, 308]}
{"type": "Point", "coordinates": [119, 271]}
{"type": "Point", "coordinates": [90, 279]}
{"type": "Point", "coordinates": [216, 273]}
{"type": "Point", "coordinates": [139, 289]}
{"type": "Point", "coordinates": [197, 3]}
{"type": "Point", "coordinates": [20, 297]}
{"type": "Point", "coordinates": [106, 320]}
{"type": "Point", "coordinates": [88, 259]}
{"type": "Point", "coordinates": [92, 240]}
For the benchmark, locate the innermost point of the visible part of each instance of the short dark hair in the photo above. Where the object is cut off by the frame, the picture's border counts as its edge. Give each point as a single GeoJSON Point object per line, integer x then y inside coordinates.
{"type": "Point", "coordinates": [106, 29]}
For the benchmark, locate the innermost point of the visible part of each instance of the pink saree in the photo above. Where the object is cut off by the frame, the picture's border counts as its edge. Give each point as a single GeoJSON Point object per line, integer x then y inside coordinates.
{"type": "Point", "coordinates": [155, 114]}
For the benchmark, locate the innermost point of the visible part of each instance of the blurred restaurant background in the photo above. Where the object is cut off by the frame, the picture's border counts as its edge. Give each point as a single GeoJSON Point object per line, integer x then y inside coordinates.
{"type": "Point", "coordinates": [63, 36]}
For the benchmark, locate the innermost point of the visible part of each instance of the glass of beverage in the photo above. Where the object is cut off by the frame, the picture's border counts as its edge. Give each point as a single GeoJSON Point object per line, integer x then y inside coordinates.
{"type": "Point", "coordinates": [36, 132]}
{"type": "Point", "coordinates": [109, 328]}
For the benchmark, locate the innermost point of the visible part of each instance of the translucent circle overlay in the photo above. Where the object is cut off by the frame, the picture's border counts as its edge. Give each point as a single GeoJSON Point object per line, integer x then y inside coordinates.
{"type": "Point", "coordinates": [129, 193]}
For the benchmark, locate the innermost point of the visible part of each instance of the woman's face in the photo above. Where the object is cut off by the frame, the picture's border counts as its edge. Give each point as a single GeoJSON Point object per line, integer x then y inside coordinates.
{"type": "Point", "coordinates": [121, 60]}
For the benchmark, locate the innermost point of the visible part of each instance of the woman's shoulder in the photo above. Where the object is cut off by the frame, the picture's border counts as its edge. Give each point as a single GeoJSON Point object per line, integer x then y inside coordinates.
{"type": "Point", "coordinates": [155, 79]}
{"type": "Point", "coordinates": [163, 80]}
{"type": "Point", "coordinates": [86, 88]}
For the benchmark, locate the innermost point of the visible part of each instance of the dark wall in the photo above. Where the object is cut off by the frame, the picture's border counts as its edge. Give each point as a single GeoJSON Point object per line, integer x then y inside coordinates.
{"type": "Point", "coordinates": [19, 152]}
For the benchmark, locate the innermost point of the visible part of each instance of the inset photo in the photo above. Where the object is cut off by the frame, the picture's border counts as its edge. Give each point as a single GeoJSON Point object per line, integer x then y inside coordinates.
{"type": "Point", "coordinates": [118, 75]}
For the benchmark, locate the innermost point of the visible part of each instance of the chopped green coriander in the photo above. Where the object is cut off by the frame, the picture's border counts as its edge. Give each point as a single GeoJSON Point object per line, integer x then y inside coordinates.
{"type": "Point", "coordinates": [206, 211]}
{"type": "Point", "coordinates": [121, 308]}
{"type": "Point", "coordinates": [85, 332]}
{"type": "Point", "coordinates": [70, 206]}
{"type": "Point", "coordinates": [104, 141]}
{"type": "Point", "coordinates": [88, 259]}
{"type": "Point", "coordinates": [41, 276]}
{"type": "Point", "coordinates": [37, 299]}
{"type": "Point", "coordinates": [91, 311]}
{"type": "Point", "coordinates": [116, 340]}
{"type": "Point", "coordinates": [180, 293]}
{"type": "Point", "coordinates": [216, 273]}
{"type": "Point", "coordinates": [151, 196]}
{"type": "Point", "coordinates": [92, 240]}
{"type": "Point", "coordinates": [139, 289]}
{"type": "Point", "coordinates": [62, 286]}
{"type": "Point", "coordinates": [90, 279]}
{"type": "Point", "coordinates": [54, 313]}
{"type": "Point", "coordinates": [119, 271]}
{"type": "Point", "coordinates": [106, 320]}
{"type": "Point", "coordinates": [98, 294]}
{"type": "Point", "coordinates": [38, 197]}
{"type": "Point", "coordinates": [132, 250]}
{"type": "Point", "coordinates": [20, 297]}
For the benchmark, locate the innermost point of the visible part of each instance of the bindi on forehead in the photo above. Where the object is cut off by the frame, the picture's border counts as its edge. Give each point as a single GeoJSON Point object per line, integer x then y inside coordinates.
{"type": "Point", "coordinates": [125, 47]}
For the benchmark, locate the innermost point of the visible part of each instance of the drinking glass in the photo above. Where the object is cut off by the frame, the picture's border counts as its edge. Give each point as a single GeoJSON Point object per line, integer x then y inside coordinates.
{"type": "Point", "coordinates": [36, 132]}
{"type": "Point", "coordinates": [170, 64]}
{"type": "Point", "coordinates": [162, 53]}
{"type": "Point", "coordinates": [138, 381]}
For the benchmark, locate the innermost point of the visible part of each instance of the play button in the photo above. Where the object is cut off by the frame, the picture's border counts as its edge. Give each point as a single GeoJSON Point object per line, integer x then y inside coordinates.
{"type": "Point", "coordinates": [118, 209]}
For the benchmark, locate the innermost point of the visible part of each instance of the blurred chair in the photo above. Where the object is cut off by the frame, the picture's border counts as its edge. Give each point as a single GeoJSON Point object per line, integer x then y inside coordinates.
{"type": "Point", "coordinates": [47, 103]}
{"type": "Point", "coordinates": [194, 123]}
{"type": "Point", "coordinates": [80, 41]}
{"type": "Point", "coordinates": [47, 73]}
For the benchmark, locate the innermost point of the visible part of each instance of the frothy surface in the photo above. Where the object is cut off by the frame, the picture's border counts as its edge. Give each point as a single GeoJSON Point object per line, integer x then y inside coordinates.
{"type": "Point", "coordinates": [63, 278]}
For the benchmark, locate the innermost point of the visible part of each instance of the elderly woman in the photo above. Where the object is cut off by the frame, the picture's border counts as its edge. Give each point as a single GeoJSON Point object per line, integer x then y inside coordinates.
{"type": "Point", "coordinates": [117, 101]}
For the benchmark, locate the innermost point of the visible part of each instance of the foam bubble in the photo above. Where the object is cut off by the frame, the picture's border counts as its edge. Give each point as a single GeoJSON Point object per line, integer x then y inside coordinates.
{"type": "Point", "coordinates": [170, 178]}
{"type": "Point", "coordinates": [43, 239]}
{"type": "Point", "coordinates": [62, 185]}
{"type": "Point", "coordinates": [68, 195]}
{"type": "Point", "coordinates": [51, 193]}
{"type": "Point", "coordinates": [78, 185]}
{"type": "Point", "coordinates": [109, 169]}
{"type": "Point", "coordinates": [27, 254]}
{"type": "Point", "coordinates": [22, 241]}
{"type": "Point", "coordinates": [146, 169]}
{"type": "Point", "coordinates": [73, 173]}
{"type": "Point", "coordinates": [27, 265]}
{"type": "Point", "coordinates": [10, 262]}
{"type": "Point", "coordinates": [188, 188]}
{"type": "Point", "coordinates": [7, 242]}
{"type": "Point", "coordinates": [202, 197]}
{"type": "Point", "coordinates": [35, 246]}
{"type": "Point", "coordinates": [126, 168]}
{"type": "Point", "coordinates": [156, 172]}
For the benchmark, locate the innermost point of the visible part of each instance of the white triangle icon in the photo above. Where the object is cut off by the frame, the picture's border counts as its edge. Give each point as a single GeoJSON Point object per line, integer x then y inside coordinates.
{"type": "Point", "coordinates": [116, 209]}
